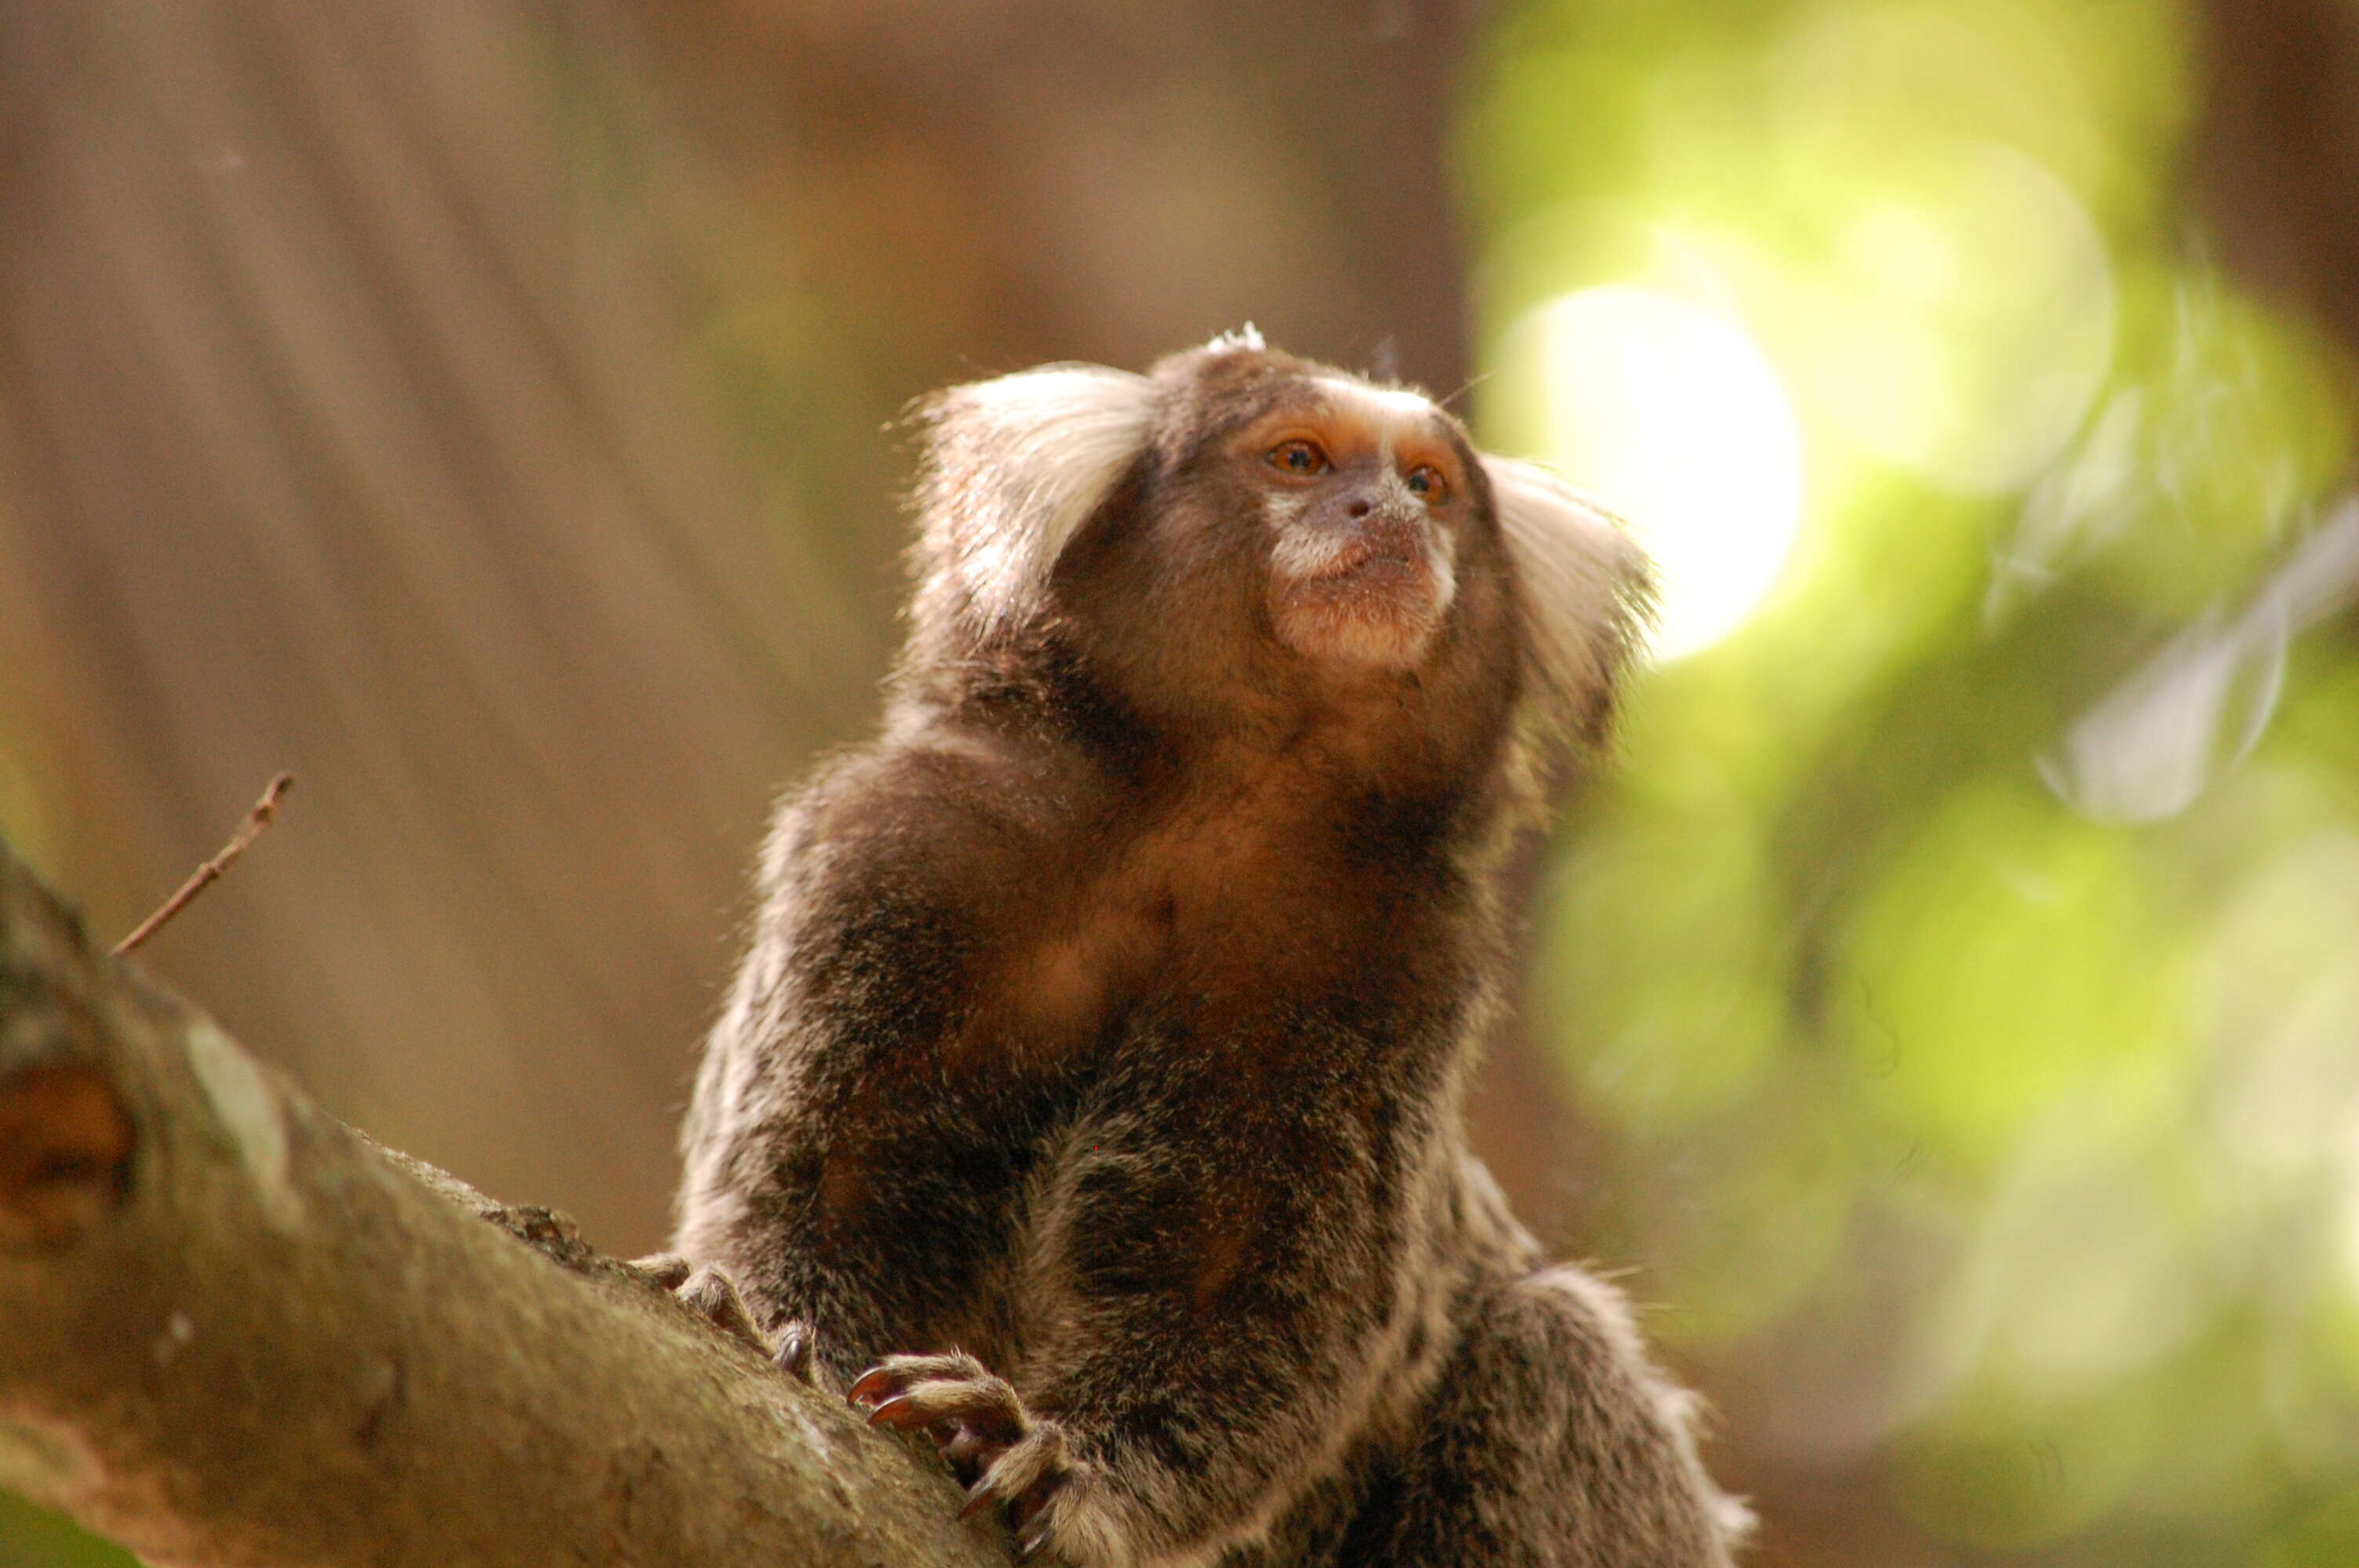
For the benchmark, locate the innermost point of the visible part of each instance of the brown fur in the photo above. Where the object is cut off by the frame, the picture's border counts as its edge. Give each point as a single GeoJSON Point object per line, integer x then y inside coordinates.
{"type": "Point", "coordinates": [1107, 1020]}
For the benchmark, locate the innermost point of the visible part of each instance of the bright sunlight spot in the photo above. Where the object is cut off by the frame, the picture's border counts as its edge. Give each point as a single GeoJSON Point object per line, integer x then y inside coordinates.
{"type": "Point", "coordinates": [1672, 415]}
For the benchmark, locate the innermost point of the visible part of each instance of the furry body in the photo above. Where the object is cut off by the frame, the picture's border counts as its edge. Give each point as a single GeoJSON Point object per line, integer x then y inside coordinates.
{"type": "Point", "coordinates": [1097, 1062]}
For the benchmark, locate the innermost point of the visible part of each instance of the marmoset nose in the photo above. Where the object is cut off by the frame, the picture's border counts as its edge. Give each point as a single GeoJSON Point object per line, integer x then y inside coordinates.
{"type": "Point", "coordinates": [1372, 511]}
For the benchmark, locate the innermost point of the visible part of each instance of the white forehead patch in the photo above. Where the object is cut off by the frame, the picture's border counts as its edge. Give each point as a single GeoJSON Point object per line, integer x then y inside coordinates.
{"type": "Point", "coordinates": [1379, 403]}
{"type": "Point", "coordinates": [1388, 408]}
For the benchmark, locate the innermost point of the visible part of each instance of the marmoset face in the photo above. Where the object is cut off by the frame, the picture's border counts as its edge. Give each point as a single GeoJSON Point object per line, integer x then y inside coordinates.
{"type": "Point", "coordinates": [1241, 540]}
{"type": "Point", "coordinates": [1365, 493]}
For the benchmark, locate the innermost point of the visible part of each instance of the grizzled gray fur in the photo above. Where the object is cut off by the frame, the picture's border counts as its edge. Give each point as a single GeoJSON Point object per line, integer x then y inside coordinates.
{"type": "Point", "coordinates": [1090, 1096]}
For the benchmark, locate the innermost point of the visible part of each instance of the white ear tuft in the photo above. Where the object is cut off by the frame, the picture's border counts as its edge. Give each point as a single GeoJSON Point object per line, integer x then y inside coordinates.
{"type": "Point", "coordinates": [1246, 337]}
{"type": "Point", "coordinates": [1587, 587]}
{"type": "Point", "coordinates": [1014, 466]}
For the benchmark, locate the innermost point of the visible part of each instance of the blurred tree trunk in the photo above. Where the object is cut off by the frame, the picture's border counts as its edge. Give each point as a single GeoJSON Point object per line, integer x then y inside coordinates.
{"type": "Point", "coordinates": [2275, 158]}
{"type": "Point", "coordinates": [347, 430]}
{"type": "Point", "coordinates": [980, 188]}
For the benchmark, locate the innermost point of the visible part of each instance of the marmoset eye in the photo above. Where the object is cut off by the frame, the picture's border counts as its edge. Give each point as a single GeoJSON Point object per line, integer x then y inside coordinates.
{"type": "Point", "coordinates": [1300, 458]}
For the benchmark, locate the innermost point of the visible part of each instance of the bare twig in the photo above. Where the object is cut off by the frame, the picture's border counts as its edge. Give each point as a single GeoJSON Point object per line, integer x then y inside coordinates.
{"type": "Point", "coordinates": [207, 875]}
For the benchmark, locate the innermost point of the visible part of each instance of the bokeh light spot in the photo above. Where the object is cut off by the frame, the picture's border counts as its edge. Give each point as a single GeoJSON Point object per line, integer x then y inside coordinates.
{"type": "Point", "coordinates": [1673, 416]}
{"type": "Point", "coordinates": [1964, 320]}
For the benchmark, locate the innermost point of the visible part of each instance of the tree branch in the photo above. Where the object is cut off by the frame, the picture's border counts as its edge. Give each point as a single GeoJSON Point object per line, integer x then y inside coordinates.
{"type": "Point", "coordinates": [234, 1332]}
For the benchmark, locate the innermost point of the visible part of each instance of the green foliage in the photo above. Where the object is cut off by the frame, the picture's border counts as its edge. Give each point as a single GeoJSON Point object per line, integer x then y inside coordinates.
{"type": "Point", "coordinates": [34, 1538]}
{"type": "Point", "coordinates": [1974, 933]}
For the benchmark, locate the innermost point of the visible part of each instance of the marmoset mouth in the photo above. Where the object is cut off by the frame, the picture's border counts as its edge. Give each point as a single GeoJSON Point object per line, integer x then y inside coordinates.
{"type": "Point", "coordinates": [1371, 604]}
{"type": "Point", "coordinates": [1378, 583]}
{"type": "Point", "coordinates": [1380, 559]}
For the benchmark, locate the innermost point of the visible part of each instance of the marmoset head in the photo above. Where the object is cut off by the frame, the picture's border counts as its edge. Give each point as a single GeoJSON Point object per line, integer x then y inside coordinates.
{"type": "Point", "coordinates": [1241, 528]}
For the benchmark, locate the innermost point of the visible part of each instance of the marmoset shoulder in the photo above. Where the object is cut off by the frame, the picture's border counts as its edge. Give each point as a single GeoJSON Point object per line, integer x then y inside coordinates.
{"type": "Point", "coordinates": [1090, 1096]}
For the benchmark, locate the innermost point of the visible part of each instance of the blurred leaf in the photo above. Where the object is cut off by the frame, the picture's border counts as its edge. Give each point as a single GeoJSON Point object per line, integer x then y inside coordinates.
{"type": "Point", "coordinates": [36, 1538]}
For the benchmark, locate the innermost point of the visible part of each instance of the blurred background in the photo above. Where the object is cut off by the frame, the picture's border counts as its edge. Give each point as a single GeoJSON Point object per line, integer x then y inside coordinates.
{"type": "Point", "coordinates": [1947, 1010]}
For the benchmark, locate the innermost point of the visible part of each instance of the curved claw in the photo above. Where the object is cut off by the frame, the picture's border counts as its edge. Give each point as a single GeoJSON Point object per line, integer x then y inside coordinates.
{"type": "Point", "coordinates": [979, 1499]}
{"type": "Point", "coordinates": [894, 1412]}
{"type": "Point", "coordinates": [870, 1383]}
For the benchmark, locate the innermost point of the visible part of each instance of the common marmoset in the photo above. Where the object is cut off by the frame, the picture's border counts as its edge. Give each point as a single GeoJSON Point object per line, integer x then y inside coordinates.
{"type": "Point", "coordinates": [1090, 1096]}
